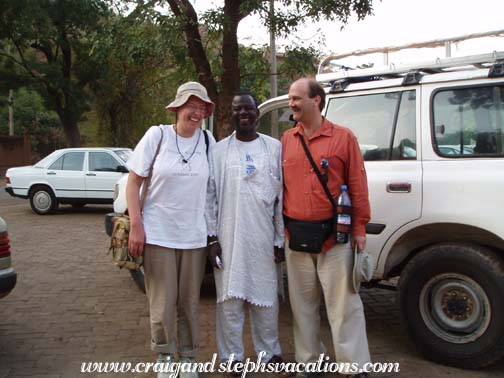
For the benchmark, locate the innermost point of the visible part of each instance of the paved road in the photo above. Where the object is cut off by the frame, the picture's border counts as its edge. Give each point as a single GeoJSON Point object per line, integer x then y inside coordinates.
{"type": "Point", "coordinates": [71, 305]}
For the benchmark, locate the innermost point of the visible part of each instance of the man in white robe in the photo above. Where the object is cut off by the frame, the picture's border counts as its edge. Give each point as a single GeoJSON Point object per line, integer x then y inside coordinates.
{"type": "Point", "coordinates": [246, 233]}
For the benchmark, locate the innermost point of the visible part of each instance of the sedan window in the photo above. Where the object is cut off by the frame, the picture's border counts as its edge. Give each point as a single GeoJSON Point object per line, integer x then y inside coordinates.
{"type": "Point", "coordinates": [71, 161]}
{"type": "Point", "coordinates": [102, 161]}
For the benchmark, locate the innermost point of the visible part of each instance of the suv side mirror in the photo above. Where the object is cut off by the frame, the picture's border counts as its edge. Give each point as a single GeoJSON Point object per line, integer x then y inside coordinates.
{"type": "Point", "coordinates": [122, 169]}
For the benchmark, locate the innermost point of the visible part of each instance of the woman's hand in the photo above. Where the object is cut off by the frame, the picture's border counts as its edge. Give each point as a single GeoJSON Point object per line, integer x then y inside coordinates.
{"type": "Point", "coordinates": [136, 240]}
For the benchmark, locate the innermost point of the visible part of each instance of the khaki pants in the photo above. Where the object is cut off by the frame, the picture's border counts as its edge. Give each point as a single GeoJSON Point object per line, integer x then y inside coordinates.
{"type": "Point", "coordinates": [330, 272]}
{"type": "Point", "coordinates": [173, 281]}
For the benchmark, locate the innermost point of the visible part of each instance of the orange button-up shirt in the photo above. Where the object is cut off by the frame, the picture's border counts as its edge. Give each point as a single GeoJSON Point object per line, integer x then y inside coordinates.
{"type": "Point", "coordinates": [304, 198]}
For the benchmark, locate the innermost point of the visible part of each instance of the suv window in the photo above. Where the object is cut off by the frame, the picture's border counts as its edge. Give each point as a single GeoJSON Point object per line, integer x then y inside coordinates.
{"type": "Point", "coordinates": [71, 161]}
{"type": "Point", "coordinates": [275, 122]}
{"type": "Point", "coordinates": [384, 123]}
{"type": "Point", "coordinates": [469, 121]}
{"type": "Point", "coordinates": [102, 161]}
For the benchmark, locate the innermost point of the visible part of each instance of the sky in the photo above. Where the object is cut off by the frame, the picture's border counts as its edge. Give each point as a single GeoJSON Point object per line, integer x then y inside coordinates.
{"type": "Point", "coordinates": [395, 22]}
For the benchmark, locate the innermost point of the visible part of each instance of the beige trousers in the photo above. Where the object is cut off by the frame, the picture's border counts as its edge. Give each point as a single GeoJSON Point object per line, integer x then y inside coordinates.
{"type": "Point", "coordinates": [311, 274]}
{"type": "Point", "coordinates": [173, 280]}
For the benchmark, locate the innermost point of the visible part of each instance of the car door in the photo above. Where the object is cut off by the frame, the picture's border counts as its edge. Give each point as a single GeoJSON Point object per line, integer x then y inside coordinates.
{"type": "Point", "coordinates": [101, 175]}
{"type": "Point", "coordinates": [385, 124]}
{"type": "Point", "coordinates": [66, 175]}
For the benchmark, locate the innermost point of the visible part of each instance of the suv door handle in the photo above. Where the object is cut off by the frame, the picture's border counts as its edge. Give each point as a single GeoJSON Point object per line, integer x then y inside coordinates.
{"type": "Point", "coordinates": [51, 173]}
{"type": "Point", "coordinates": [90, 174]}
{"type": "Point", "coordinates": [399, 187]}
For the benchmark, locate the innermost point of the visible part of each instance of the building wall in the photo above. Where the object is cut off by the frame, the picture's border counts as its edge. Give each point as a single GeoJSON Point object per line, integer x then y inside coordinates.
{"type": "Point", "coordinates": [15, 151]}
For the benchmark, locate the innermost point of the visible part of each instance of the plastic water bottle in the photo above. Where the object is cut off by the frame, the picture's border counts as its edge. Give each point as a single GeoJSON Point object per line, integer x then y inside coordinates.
{"type": "Point", "coordinates": [344, 221]}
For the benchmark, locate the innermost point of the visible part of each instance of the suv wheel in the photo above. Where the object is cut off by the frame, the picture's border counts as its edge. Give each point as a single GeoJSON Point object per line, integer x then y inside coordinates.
{"type": "Point", "coordinates": [451, 298]}
{"type": "Point", "coordinates": [42, 200]}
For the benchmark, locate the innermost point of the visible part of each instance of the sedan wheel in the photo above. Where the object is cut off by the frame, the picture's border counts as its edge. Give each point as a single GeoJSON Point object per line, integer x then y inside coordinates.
{"type": "Point", "coordinates": [42, 200]}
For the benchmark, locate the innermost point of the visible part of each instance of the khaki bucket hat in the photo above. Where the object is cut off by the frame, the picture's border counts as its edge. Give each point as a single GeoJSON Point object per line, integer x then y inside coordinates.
{"type": "Point", "coordinates": [362, 269]}
{"type": "Point", "coordinates": [185, 91]}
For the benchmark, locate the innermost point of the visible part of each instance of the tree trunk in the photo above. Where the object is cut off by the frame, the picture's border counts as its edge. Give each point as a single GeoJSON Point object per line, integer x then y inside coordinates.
{"type": "Point", "coordinates": [113, 124]}
{"type": "Point", "coordinates": [72, 133]}
{"type": "Point", "coordinates": [66, 113]}
{"type": "Point", "coordinates": [230, 81]}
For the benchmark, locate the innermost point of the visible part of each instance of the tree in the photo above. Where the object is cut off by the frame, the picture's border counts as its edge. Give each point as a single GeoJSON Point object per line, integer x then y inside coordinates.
{"type": "Point", "coordinates": [51, 42]}
{"type": "Point", "coordinates": [137, 69]}
{"type": "Point", "coordinates": [298, 62]}
{"type": "Point", "coordinates": [224, 21]}
{"type": "Point", "coordinates": [32, 117]}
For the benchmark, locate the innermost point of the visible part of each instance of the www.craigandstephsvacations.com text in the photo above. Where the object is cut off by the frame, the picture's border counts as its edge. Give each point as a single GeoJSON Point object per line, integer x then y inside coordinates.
{"type": "Point", "coordinates": [322, 365]}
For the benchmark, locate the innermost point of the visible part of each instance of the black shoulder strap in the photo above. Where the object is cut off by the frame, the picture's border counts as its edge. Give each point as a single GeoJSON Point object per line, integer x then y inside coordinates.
{"type": "Point", "coordinates": [206, 140]}
{"type": "Point", "coordinates": [317, 171]}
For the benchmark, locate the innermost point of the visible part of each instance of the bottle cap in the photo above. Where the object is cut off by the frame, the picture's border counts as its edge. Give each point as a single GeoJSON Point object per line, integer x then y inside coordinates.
{"type": "Point", "coordinates": [344, 187]}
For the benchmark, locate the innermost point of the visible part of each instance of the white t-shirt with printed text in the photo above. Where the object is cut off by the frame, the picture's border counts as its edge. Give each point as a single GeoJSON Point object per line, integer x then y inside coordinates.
{"type": "Point", "coordinates": [174, 210]}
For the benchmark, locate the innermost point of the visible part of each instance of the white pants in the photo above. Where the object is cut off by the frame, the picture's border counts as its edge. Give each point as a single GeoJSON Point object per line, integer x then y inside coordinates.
{"type": "Point", "coordinates": [331, 272]}
{"type": "Point", "coordinates": [263, 324]}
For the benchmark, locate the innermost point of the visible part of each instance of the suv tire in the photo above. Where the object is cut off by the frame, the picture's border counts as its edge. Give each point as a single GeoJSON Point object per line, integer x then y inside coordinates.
{"type": "Point", "coordinates": [451, 299]}
{"type": "Point", "coordinates": [43, 200]}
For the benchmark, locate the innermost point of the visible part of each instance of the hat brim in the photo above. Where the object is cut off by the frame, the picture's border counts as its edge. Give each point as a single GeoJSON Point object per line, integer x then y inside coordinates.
{"type": "Point", "coordinates": [362, 269]}
{"type": "Point", "coordinates": [355, 273]}
{"type": "Point", "coordinates": [180, 101]}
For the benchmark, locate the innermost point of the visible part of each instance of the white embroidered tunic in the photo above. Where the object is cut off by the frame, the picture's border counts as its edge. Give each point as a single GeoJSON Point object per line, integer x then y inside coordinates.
{"type": "Point", "coordinates": [244, 209]}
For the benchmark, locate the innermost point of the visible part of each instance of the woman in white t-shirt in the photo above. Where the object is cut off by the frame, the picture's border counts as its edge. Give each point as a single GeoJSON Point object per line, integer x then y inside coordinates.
{"type": "Point", "coordinates": [171, 229]}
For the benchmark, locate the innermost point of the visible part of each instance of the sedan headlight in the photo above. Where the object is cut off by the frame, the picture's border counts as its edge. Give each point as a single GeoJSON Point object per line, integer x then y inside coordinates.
{"type": "Point", "coordinates": [116, 191]}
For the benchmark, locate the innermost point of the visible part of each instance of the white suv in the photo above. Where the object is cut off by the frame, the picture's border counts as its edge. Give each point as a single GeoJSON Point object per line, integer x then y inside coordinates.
{"type": "Point", "coordinates": [433, 143]}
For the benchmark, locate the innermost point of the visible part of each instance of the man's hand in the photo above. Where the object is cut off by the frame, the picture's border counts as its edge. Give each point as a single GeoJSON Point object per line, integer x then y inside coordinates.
{"type": "Point", "coordinates": [214, 250]}
{"type": "Point", "coordinates": [279, 255]}
{"type": "Point", "coordinates": [360, 242]}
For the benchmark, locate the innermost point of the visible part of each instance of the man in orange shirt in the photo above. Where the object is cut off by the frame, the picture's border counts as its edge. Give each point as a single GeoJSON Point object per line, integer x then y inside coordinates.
{"type": "Point", "coordinates": [336, 152]}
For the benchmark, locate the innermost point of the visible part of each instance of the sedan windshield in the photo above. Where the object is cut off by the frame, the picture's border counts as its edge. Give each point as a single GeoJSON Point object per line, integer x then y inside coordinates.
{"type": "Point", "coordinates": [123, 154]}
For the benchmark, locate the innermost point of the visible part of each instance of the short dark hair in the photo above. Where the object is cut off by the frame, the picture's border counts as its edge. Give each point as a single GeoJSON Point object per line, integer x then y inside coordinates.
{"type": "Point", "coordinates": [315, 89]}
{"type": "Point", "coordinates": [247, 93]}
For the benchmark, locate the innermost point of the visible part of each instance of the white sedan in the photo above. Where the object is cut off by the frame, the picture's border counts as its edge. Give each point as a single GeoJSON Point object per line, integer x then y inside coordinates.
{"type": "Point", "coordinates": [75, 176]}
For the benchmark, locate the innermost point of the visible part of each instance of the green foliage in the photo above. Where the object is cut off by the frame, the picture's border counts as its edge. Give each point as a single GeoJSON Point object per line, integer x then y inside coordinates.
{"type": "Point", "coordinates": [222, 22]}
{"type": "Point", "coordinates": [141, 64]}
{"type": "Point", "coordinates": [298, 62]}
{"type": "Point", "coordinates": [255, 71]}
{"type": "Point", "coordinates": [112, 65]}
{"type": "Point", "coordinates": [32, 117]}
{"type": "Point", "coordinates": [50, 41]}
{"type": "Point", "coordinates": [290, 14]}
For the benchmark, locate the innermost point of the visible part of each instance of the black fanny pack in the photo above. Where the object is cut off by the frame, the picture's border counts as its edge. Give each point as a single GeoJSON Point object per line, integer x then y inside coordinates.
{"type": "Point", "coordinates": [308, 236]}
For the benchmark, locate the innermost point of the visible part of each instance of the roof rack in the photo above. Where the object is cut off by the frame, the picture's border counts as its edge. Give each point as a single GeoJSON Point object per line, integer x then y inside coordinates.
{"type": "Point", "coordinates": [325, 75]}
{"type": "Point", "coordinates": [428, 67]}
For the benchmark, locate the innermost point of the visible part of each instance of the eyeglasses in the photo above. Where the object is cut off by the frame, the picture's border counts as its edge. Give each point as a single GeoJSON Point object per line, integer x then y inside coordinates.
{"type": "Point", "coordinates": [196, 108]}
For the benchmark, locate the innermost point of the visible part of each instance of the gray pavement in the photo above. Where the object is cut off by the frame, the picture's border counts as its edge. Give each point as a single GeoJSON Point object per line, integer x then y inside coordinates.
{"type": "Point", "coordinates": [72, 306]}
